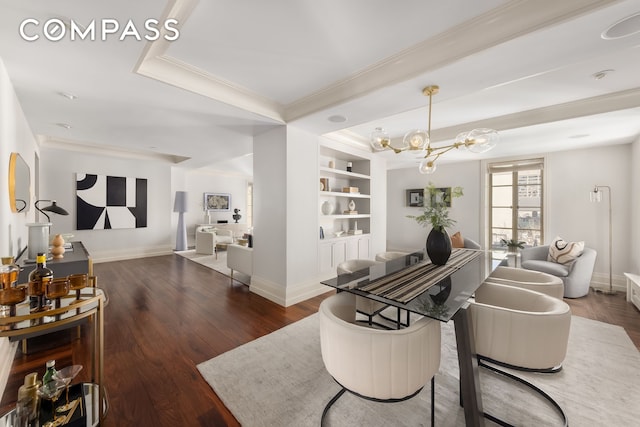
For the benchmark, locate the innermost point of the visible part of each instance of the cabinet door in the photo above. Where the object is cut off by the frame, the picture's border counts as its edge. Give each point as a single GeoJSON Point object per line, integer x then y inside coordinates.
{"type": "Point", "coordinates": [353, 251]}
{"type": "Point", "coordinates": [339, 252]}
{"type": "Point", "coordinates": [325, 257]}
{"type": "Point", "coordinates": [363, 247]}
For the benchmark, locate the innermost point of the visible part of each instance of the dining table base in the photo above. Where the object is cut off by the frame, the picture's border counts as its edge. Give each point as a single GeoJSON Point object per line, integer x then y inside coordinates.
{"type": "Point", "coordinates": [470, 396]}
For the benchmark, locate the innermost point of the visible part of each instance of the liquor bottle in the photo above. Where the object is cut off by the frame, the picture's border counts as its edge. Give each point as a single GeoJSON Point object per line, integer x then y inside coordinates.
{"type": "Point", "coordinates": [50, 372]}
{"type": "Point", "coordinates": [28, 397]}
{"type": "Point", "coordinates": [38, 280]}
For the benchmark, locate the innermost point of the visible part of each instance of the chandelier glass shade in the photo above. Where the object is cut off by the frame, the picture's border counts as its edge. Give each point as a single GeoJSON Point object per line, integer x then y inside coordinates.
{"type": "Point", "coordinates": [476, 141]}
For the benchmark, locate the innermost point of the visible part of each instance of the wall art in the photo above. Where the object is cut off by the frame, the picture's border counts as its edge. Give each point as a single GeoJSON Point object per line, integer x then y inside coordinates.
{"type": "Point", "coordinates": [217, 202]}
{"type": "Point", "coordinates": [108, 202]}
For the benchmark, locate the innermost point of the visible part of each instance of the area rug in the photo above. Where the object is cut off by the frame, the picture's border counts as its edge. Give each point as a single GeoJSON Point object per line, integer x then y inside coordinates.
{"type": "Point", "coordinates": [280, 380]}
{"type": "Point", "coordinates": [218, 264]}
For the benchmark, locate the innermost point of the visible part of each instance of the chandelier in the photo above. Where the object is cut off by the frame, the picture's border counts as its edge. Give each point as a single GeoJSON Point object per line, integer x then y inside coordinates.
{"type": "Point", "coordinates": [417, 140]}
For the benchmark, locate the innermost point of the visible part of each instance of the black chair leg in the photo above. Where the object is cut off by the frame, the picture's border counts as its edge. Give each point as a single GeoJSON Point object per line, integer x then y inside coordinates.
{"type": "Point", "coordinates": [331, 402]}
{"type": "Point", "coordinates": [433, 398]}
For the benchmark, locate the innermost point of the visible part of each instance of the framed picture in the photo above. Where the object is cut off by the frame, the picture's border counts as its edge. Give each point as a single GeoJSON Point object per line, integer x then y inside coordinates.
{"type": "Point", "coordinates": [217, 202]}
{"type": "Point", "coordinates": [415, 198]}
{"type": "Point", "coordinates": [441, 196]}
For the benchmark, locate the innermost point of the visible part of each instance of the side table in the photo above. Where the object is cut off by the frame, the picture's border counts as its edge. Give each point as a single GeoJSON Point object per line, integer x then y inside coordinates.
{"type": "Point", "coordinates": [633, 289]}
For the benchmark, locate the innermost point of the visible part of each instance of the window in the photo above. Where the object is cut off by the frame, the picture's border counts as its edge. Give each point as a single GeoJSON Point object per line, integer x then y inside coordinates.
{"type": "Point", "coordinates": [249, 217]}
{"type": "Point", "coordinates": [516, 190]}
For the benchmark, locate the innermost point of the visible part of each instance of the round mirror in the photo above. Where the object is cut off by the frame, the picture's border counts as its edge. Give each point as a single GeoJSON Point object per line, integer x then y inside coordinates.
{"type": "Point", "coordinates": [19, 183]}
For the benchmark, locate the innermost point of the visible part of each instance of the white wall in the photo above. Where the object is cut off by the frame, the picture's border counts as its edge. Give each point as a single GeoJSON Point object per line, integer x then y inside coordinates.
{"type": "Point", "coordinates": [58, 168]}
{"type": "Point", "coordinates": [570, 175]}
{"type": "Point", "coordinates": [15, 136]}
{"type": "Point", "coordinates": [198, 182]}
{"type": "Point", "coordinates": [634, 266]}
{"type": "Point", "coordinates": [405, 234]}
{"type": "Point", "coordinates": [270, 203]}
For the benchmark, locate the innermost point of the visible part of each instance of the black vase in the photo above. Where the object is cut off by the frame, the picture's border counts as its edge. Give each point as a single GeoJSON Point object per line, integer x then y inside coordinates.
{"type": "Point", "coordinates": [438, 246]}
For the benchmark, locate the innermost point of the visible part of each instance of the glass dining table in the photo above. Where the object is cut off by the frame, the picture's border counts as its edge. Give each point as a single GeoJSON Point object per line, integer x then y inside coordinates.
{"type": "Point", "coordinates": [413, 284]}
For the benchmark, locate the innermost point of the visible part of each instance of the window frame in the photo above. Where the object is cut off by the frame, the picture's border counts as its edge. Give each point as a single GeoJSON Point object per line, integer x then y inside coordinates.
{"type": "Point", "coordinates": [515, 166]}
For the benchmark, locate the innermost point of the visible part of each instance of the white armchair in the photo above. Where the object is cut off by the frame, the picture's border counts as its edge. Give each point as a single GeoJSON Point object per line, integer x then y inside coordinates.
{"type": "Point", "coordinates": [208, 237]}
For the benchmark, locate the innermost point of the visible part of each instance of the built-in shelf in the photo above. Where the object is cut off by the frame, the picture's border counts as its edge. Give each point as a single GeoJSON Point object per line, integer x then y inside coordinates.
{"type": "Point", "coordinates": [342, 194]}
{"type": "Point", "coordinates": [345, 216]}
{"type": "Point", "coordinates": [337, 173]}
{"type": "Point", "coordinates": [334, 177]}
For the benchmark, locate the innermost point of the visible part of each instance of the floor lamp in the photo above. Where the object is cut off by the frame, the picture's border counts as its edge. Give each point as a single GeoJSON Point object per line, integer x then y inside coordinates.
{"type": "Point", "coordinates": [180, 206]}
{"type": "Point", "coordinates": [596, 196]}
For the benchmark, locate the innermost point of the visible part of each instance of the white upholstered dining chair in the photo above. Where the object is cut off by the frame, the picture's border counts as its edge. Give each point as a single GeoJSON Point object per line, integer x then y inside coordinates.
{"type": "Point", "coordinates": [365, 306]}
{"type": "Point", "coordinates": [520, 328]}
{"type": "Point", "coordinates": [377, 364]}
{"type": "Point", "coordinates": [528, 279]}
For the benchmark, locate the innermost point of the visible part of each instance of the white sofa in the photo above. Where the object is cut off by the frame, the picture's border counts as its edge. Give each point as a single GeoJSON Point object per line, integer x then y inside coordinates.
{"type": "Point", "coordinates": [240, 258]}
{"type": "Point", "coordinates": [208, 237]}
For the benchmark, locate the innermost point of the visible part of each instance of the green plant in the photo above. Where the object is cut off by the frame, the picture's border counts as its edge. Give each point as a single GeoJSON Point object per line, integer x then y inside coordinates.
{"type": "Point", "coordinates": [436, 207]}
{"type": "Point", "coordinates": [512, 243]}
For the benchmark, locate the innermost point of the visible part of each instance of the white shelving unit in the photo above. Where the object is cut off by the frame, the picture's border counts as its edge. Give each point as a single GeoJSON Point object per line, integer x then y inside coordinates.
{"type": "Point", "coordinates": [333, 202]}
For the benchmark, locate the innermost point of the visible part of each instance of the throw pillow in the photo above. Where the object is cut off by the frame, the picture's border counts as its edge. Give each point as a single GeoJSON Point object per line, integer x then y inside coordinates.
{"type": "Point", "coordinates": [564, 252]}
{"type": "Point", "coordinates": [457, 241]}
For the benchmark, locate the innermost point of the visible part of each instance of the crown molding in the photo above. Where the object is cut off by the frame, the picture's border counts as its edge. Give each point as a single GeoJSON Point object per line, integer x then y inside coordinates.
{"type": "Point", "coordinates": [156, 64]}
{"type": "Point", "coordinates": [600, 104]}
{"type": "Point", "coordinates": [46, 141]}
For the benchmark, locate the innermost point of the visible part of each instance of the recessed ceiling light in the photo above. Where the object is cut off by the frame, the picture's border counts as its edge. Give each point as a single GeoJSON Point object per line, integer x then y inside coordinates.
{"type": "Point", "coordinates": [68, 95]}
{"type": "Point", "coordinates": [623, 28]}
{"type": "Point", "coordinates": [64, 125]}
{"type": "Point", "coordinates": [337, 119]}
{"type": "Point", "coordinates": [602, 74]}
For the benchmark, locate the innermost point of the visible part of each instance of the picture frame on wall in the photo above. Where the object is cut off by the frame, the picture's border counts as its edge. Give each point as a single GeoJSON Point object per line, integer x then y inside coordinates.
{"type": "Point", "coordinates": [217, 202]}
{"type": "Point", "coordinates": [415, 198]}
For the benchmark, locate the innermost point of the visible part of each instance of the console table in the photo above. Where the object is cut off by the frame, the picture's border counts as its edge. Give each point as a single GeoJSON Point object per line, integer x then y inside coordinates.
{"type": "Point", "coordinates": [68, 312]}
{"type": "Point", "coordinates": [75, 261]}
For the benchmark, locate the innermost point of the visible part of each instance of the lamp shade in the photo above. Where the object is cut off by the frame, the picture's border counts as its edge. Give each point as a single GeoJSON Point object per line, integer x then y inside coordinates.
{"type": "Point", "coordinates": [54, 208]}
{"type": "Point", "coordinates": [180, 202]}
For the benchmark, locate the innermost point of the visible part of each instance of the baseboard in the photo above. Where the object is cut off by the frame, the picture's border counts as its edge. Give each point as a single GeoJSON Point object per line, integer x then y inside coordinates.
{"type": "Point", "coordinates": [133, 253]}
{"type": "Point", "coordinates": [600, 281]}
{"type": "Point", "coordinates": [290, 295]}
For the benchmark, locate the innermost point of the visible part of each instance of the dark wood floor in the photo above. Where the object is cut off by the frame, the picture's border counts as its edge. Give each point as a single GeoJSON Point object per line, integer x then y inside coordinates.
{"type": "Point", "coordinates": [167, 314]}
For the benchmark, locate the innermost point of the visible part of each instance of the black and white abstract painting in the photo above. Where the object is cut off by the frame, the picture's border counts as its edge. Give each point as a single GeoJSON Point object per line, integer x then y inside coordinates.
{"type": "Point", "coordinates": [108, 202]}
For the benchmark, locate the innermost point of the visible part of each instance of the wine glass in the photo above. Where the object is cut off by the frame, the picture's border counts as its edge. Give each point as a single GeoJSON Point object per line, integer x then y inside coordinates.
{"type": "Point", "coordinates": [67, 375]}
{"type": "Point", "coordinates": [51, 391]}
